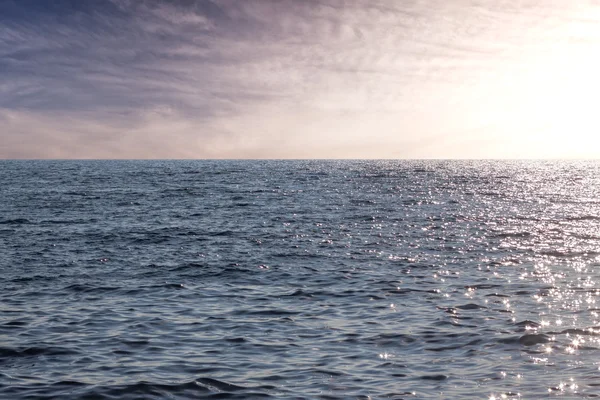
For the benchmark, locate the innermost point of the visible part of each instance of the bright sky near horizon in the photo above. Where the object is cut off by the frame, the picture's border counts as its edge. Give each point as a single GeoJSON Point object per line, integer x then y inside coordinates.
{"type": "Point", "coordinates": [299, 79]}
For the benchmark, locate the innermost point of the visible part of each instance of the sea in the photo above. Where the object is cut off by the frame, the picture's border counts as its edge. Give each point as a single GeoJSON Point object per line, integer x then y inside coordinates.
{"type": "Point", "coordinates": [296, 279]}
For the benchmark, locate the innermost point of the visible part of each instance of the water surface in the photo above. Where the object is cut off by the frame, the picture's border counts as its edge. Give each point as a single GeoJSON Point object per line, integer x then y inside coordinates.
{"type": "Point", "coordinates": [299, 279]}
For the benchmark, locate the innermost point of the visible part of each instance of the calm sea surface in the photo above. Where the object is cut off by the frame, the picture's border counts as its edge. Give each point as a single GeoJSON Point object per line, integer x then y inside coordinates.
{"type": "Point", "coordinates": [299, 280]}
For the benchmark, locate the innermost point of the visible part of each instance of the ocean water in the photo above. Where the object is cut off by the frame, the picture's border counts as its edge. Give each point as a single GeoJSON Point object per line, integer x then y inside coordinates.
{"type": "Point", "coordinates": [299, 279]}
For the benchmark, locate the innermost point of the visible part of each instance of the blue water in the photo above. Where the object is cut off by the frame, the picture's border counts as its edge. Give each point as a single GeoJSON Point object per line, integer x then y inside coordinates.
{"type": "Point", "coordinates": [299, 279]}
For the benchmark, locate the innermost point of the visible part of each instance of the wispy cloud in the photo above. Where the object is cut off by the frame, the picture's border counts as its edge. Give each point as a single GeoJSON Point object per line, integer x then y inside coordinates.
{"type": "Point", "coordinates": [285, 78]}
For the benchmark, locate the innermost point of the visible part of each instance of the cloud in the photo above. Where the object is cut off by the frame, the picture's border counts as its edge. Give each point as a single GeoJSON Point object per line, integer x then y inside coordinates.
{"type": "Point", "coordinates": [266, 78]}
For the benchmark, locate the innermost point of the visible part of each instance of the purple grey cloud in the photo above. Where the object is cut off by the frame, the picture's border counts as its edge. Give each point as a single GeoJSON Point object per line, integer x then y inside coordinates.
{"type": "Point", "coordinates": [287, 78]}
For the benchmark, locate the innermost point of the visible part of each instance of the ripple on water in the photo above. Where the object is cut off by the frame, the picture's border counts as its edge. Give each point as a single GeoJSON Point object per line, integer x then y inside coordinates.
{"type": "Point", "coordinates": [299, 279]}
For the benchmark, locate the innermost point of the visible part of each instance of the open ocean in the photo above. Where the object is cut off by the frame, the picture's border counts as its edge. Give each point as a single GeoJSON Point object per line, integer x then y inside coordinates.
{"type": "Point", "coordinates": [299, 279]}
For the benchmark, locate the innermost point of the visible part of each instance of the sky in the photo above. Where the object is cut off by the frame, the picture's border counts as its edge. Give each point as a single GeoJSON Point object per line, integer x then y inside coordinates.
{"type": "Point", "coordinates": [148, 79]}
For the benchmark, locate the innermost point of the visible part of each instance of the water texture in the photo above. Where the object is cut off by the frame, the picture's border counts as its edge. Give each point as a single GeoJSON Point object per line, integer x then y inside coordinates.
{"type": "Point", "coordinates": [299, 279]}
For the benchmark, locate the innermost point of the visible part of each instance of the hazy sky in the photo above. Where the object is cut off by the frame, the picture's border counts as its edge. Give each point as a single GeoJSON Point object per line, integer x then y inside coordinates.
{"type": "Point", "coordinates": [300, 79]}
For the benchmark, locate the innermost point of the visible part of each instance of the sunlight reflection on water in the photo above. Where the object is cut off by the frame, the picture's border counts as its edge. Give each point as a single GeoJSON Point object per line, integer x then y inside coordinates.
{"type": "Point", "coordinates": [339, 279]}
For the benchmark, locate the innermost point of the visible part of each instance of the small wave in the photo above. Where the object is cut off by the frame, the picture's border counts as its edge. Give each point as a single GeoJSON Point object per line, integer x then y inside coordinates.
{"type": "Point", "coordinates": [236, 340]}
{"type": "Point", "coordinates": [513, 234]}
{"type": "Point", "coordinates": [16, 323]}
{"type": "Point", "coordinates": [470, 306]}
{"type": "Point", "coordinates": [152, 239]}
{"type": "Point", "coordinates": [409, 290]}
{"type": "Point", "coordinates": [583, 218]}
{"type": "Point", "coordinates": [166, 285]}
{"type": "Point", "coordinates": [223, 233]}
{"type": "Point", "coordinates": [491, 194]}
{"type": "Point", "coordinates": [527, 323]}
{"type": "Point", "coordinates": [187, 267]}
{"type": "Point", "coordinates": [298, 293]}
{"type": "Point", "coordinates": [533, 339]}
{"type": "Point", "coordinates": [497, 295]}
{"type": "Point", "coordinates": [390, 338]}
{"type": "Point", "coordinates": [591, 331]}
{"type": "Point", "coordinates": [6, 353]}
{"type": "Point", "coordinates": [67, 222]}
{"type": "Point", "coordinates": [438, 377]}
{"type": "Point", "coordinates": [87, 288]}
{"type": "Point", "coordinates": [239, 205]}
{"type": "Point", "coordinates": [569, 254]}
{"type": "Point", "coordinates": [361, 202]}
{"type": "Point", "coordinates": [15, 221]}
{"type": "Point", "coordinates": [72, 193]}
{"type": "Point", "coordinates": [149, 390]}
{"type": "Point", "coordinates": [219, 385]}
{"type": "Point", "coordinates": [35, 278]}
{"type": "Point", "coordinates": [267, 313]}
{"type": "Point", "coordinates": [135, 343]}
{"type": "Point", "coordinates": [483, 286]}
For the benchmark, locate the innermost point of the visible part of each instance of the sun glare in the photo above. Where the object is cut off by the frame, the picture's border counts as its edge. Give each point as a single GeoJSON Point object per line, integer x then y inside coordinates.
{"type": "Point", "coordinates": [558, 103]}
{"type": "Point", "coordinates": [549, 108]}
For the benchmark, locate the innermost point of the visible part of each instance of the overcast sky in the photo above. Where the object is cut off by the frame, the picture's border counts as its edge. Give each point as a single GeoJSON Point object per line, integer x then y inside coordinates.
{"type": "Point", "coordinates": [299, 79]}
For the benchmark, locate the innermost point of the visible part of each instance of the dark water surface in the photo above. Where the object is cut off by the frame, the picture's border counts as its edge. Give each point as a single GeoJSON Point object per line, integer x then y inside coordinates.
{"type": "Point", "coordinates": [299, 279]}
